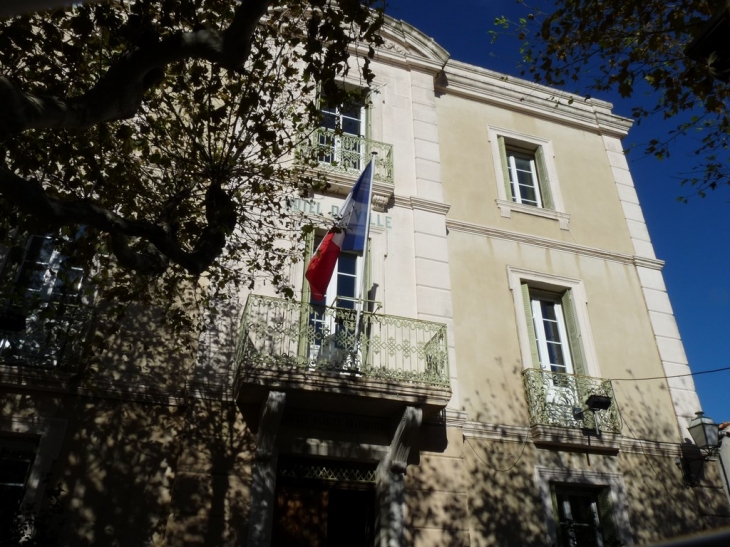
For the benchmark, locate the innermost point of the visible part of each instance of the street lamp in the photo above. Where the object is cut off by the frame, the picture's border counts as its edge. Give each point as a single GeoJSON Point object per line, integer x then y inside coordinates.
{"type": "Point", "coordinates": [705, 433]}
{"type": "Point", "coordinates": [708, 442]}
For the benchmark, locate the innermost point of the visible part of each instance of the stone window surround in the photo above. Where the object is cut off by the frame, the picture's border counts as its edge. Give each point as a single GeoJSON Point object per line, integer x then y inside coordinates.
{"type": "Point", "coordinates": [50, 432]}
{"type": "Point", "coordinates": [544, 476]}
{"type": "Point", "coordinates": [505, 205]}
{"type": "Point", "coordinates": [554, 283]}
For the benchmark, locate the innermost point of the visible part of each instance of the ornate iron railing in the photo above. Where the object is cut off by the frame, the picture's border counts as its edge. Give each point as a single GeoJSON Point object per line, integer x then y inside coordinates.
{"type": "Point", "coordinates": [283, 334]}
{"type": "Point", "coordinates": [553, 396]}
{"type": "Point", "coordinates": [349, 154]}
{"type": "Point", "coordinates": [53, 334]}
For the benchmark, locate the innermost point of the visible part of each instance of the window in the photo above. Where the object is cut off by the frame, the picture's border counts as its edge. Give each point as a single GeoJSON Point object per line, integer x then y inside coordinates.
{"type": "Point", "coordinates": [45, 273]}
{"type": "Point", "coordinates": [583, 516]}
{"type": "Point", "coordinates": [552, 323]}
{"type": "Point", "coordinates": [523, 184]}
{"type": "Point", "coordinates": [553, 331]}
{"type": "Point", "coordinates": [583, 508]}
{"type": "Point", "coordinates": [346, 150]}
{"type": "Point", "coordinates": [331, 320]}
{"type": "Point", "coordinates": [527, 181]}
{"type": "Point", "coordinates": [17, 454]}
{"type": "Point", "coordinates": [45, 305]}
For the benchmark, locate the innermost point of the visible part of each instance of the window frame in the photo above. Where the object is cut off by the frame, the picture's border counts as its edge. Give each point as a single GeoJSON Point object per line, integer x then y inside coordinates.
{"type": "Point", "coordinates": [512, 154]}
{"type": "Point", "coordinates": [550, 200]}
{"type": "Point", "coordinates": [537, 298]}
{"type": "Point", "coordinates": [543, 283]}
{"type": "Point", "coordinates": [335, 145]}
{"type": "Point", "coordinates": [50, 433]}
{"type": "Point", "coordinates": [547, 477]}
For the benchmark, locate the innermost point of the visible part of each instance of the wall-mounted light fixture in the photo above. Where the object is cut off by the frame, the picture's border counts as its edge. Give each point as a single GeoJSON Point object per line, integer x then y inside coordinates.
{"type": "Point", "coordinates": [707, 447]}
{"type": "Point", "coordinates": [705, 433]}
{"type": "Point", "coordinates": [593, 403]}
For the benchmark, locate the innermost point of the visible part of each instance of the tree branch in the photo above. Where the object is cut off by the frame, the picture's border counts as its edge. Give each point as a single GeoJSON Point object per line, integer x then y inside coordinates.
{"type": "Point", "coordinates": [30, 197]}
{"type": "Point", "coordinates": [119, 93]}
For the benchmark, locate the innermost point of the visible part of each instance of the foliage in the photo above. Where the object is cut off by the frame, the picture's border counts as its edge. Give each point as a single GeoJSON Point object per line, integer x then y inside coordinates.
{"type": "Point", "coordinates": [157, 138]}
{"type": "Point", "coordinates": [636, 47]}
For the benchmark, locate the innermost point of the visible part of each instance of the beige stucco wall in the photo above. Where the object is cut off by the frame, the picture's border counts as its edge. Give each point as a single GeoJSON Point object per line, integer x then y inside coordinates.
{"type": "Point", "coordinates": [584, 175]}
{"type": "Point", "coordinates": [505, 508]}
{"type": "Point", "coordinates": [143, 474]}
{"type": "Point", "coordinates": [489, 357]}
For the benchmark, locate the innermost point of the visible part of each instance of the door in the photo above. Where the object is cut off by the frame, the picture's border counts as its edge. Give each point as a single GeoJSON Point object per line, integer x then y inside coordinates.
{"type": "Point", "coordinates": [332, 319]}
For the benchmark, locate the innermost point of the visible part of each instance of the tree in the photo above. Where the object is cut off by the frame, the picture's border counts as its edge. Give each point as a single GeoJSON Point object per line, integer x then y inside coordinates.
{"type": "Point", "coordinates": [158, 140]}
{"type": "Point", "coordinates": [636, 47]}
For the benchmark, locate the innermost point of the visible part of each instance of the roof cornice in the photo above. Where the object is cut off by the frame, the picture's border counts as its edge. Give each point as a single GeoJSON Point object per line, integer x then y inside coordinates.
{"type": "Point", "coordinates": [481, 84]}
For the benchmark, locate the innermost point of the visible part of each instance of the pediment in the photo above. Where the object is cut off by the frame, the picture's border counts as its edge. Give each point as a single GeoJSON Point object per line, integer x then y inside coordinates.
{"type": "Point", "coordinates": [406, 41]}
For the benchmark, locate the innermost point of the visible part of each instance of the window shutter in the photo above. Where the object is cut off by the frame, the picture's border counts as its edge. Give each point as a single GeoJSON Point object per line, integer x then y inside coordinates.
{"type": "Point", "coordinates": [303, 348]}
{"type": "Point", "coordinates": [574, 337]}
{"type": "Point", "coordinates": [505, 168]}
{"type": "Point", "coordinates": [530, 325]}
{"type": "Point", "coordinates": [556, 513]}
{"type": "Point", "coordinates": [543, 179]}
{"type": "Point", "coordinates": [605, 515]}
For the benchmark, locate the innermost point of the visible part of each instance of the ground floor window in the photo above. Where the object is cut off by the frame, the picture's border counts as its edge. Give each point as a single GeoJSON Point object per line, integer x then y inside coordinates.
{"type": "Point", "coordinates": [583, 516]}
{"type": "Point", "coordinates": [17, 454]}
{"type": "Point", "coordinates": [323, 503]}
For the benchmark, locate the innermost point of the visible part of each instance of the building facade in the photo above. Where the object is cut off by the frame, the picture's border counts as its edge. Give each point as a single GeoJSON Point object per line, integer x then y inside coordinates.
{"type": "Point", "coordinates": [505, 381]}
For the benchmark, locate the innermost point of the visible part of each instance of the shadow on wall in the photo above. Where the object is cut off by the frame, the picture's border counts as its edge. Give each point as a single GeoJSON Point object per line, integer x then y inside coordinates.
{"type": "Point", "coordinates": [494, 487]}
{"type": "Point", "coordinates": [165, 469]}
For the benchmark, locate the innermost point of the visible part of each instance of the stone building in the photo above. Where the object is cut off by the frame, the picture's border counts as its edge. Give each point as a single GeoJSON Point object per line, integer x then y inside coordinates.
{"type": "Point", "coordinates": [489, 395]}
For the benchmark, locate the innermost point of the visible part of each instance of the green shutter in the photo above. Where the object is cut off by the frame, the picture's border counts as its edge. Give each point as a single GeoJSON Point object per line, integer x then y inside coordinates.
{"type": "Point", "coordinates": [574, 338]}
{"type": "Point", "coordinates": [605, 516]}
{"type": "Point", "coordinates": [303, 348]}
{"type": "Point", "coordinates": [543, 179]}
{"type": "Point", "coordinates": [530, 325]}
{"type": "Point", "coordinates": [556, 513]}
{"type": "Point", "coordinates": [505, 168]}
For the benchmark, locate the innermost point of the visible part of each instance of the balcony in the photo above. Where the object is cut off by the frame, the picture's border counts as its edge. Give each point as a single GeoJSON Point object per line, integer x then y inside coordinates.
{"type": "Point", "coordinates": [551, 398]}
{"type": "Point", "coordinates": [348, 154]}
{"type": "Point", "coordinates": [294, 346]}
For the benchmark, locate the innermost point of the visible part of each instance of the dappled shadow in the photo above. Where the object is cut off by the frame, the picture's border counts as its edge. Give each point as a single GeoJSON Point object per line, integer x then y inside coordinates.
{"type": "Point", "coordinates": [488, 479]}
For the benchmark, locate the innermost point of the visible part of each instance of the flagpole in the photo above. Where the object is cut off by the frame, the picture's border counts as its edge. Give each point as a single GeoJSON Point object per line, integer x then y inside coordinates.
{"type": "Point", "coordinates": [363, 264]}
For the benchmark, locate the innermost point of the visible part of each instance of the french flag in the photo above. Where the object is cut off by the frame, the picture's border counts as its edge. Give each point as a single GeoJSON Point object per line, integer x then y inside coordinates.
{"type": "Point", "coordinates": [349, 233]}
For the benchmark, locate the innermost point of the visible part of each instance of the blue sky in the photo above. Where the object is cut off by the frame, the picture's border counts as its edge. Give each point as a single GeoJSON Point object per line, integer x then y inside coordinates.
{"type": "Point", "coordinates": [693, 238]}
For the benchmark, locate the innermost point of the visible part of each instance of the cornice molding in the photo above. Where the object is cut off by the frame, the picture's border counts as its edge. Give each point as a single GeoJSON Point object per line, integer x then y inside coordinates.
{"type": "Point", "coordinates": [573, 248]}
{"type": "Point", "coordinates": [485, 85]}
{"type": "Point", "coordinates": [412, 202]}
{"type": "Point", "coordinates": [131, 387]}
{"type": "Point", "coordinates": [517, 434]}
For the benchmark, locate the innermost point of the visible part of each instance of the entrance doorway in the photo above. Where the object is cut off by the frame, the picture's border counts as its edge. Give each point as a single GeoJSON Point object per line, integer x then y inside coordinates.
{"type": "Point", "coordinates": [322, 503]}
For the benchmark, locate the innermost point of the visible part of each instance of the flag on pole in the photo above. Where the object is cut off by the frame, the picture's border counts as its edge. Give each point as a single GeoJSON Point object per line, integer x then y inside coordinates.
{"type": "Point", "coordinates": [348, 234]}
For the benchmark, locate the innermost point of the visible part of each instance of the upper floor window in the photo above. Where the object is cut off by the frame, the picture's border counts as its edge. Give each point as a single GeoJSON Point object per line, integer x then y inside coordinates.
{"type": "Point", "coordinates": [524, 183]}
{"type": "Point", "coordinates": [341, 136]}
{"type": "Point", "coordinates": [555, 331]}
{"type": "Point", "coordinates": [44, 316]}
{"type": "Point", "coordinates": [527, 181]}
{"type": "Point", "coordinates": [45, 273]}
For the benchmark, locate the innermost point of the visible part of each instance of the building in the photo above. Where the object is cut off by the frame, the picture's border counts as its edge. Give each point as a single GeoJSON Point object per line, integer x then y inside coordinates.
{"type": "Point", "coordinates": [492, 393]}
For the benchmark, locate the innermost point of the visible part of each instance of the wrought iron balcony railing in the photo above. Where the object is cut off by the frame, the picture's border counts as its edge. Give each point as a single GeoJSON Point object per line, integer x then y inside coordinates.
{"type": "Point", "coordinates": [349, 154]}
{"type": "Point", "coordinates": [281, 334]}
{"type": "Point", "coordinates": [53, 334]}
{"type": "Point", "coordinates": [553, 396]}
